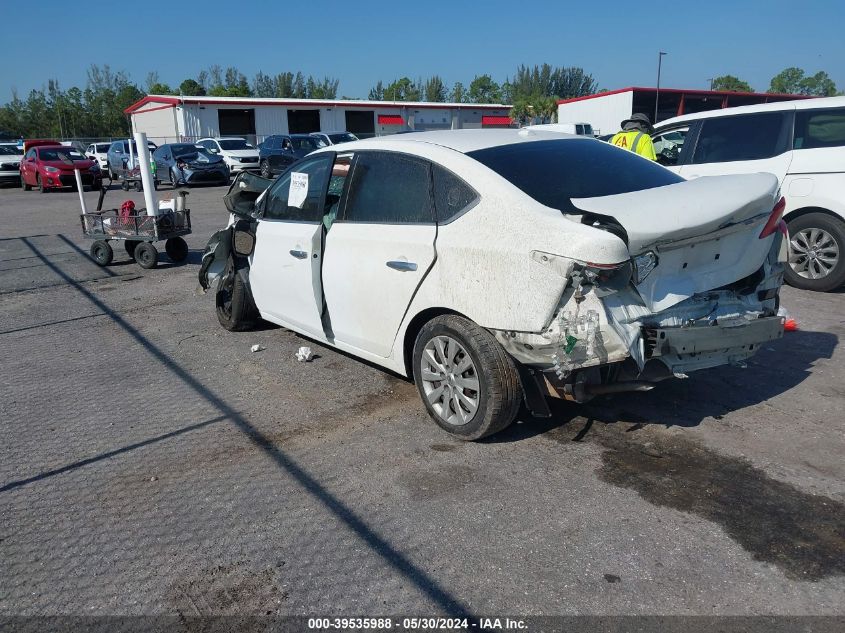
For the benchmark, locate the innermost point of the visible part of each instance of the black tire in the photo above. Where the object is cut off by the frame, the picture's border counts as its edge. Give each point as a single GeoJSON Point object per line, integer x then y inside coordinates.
{"type": "Point", "coordinates": [155, 185]}
{"type": "Point", "coordinates": [40, 184]}
{"type": "Point", "coordinates": [130, 246]}
{"type": "Point", "coordinates": [499, 393]}
{"type": "Point", "coordinates": [176, 249]}
{"type": "Point", "coordinates": [102, 253]}
{"type": "Point", "coordinates": [112, 175]}
{"type": "Point", "coordinates": [265, 169]}
{"type": "Point", "coordinates": [124, 185]}
{"type": "Point", "coordinates": [25, 186]}
{"type": "Point", "coordinates": [139, 185]}
{"type": "Point", "coordinates": [835, 228]}
{"type": "Point", "coordinates": [174, 179]}
{"type": "Point", "coordinates": [146, 255]}
{"type": "Point", "coordinates": [236, 310]}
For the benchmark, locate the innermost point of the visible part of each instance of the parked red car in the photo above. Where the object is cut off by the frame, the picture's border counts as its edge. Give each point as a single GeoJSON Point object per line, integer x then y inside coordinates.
{"type": "Point", "coordinates": [51, 167]}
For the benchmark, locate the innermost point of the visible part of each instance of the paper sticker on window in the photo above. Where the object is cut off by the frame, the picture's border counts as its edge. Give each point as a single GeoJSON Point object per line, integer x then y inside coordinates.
{"type": "Point", "coordinates": [298, 189]}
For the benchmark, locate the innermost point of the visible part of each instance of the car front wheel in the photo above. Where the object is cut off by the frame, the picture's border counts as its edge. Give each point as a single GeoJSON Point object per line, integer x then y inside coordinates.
{"type": "Point", "coordinates": [816, 252]}
{"type": "Point", "coordinates": [468, 383]}
{"type": "Point", "coordinates": [236, 310]}
{"type": "Point", "coordinates": [265, 169]}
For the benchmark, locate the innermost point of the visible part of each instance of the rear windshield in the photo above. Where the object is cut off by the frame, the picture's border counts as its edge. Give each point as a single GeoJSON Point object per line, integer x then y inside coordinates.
{"type": "Point", "coordinates": [553, 172]}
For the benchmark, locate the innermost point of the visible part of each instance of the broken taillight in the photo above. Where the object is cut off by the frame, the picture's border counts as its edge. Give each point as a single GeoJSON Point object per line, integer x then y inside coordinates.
{"type": "Point", "coordinates": [774, 219]}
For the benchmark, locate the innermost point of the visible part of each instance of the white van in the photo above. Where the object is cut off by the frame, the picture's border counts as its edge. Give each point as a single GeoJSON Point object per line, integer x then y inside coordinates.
{"type": "Point", "coordinates": [803, 144]}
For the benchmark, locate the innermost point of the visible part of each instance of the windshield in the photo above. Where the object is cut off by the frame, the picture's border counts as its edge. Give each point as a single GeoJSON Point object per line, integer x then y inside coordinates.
{"type": "Point", "coordinates": [9, 150]}
{"type": "Point", "coordinates": [345, 137]}
{"type": "Point", "coordinates": [554, 172]}
{"type": "Point", "coordinates": [234, 143]}
{"type": "Point", "coordinates": [103, 147]}
{"type": "Point", "coordinates": [309, 143]}
{"type": "Point", "coordinates": [190, 152]}
{"type": "Point", "coordinates": [64, 155]}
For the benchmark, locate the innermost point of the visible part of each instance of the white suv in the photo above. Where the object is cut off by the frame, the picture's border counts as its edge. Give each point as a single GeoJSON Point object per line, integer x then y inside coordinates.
{"type": "Point", "coordinates": [236, 152]}
{"type": "Point", "coordinates": [800, 142]}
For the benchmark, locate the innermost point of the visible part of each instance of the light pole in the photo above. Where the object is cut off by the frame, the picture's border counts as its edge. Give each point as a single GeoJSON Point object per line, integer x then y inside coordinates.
{"type": "Point", "coordinates": [657, 95]}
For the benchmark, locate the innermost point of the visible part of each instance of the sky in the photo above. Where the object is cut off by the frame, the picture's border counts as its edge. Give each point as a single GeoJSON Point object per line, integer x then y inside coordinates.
{"type": "Point", "coordinates": [362, 42]}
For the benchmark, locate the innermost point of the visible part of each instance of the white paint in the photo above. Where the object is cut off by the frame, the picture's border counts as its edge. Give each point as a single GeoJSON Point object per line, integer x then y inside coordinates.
{"type": "Point", "coordinates": [146, 174]}
{"type": "Point", "coordinates": [78, 177]}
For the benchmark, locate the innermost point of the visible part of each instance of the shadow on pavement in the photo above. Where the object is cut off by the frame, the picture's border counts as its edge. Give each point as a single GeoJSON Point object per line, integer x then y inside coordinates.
{"type": "Point", "coordinates": [376, 543]}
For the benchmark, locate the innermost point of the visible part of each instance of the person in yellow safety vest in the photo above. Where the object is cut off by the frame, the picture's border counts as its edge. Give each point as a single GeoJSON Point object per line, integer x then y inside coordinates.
{"type": "Point", "coordinates": [636, 136]}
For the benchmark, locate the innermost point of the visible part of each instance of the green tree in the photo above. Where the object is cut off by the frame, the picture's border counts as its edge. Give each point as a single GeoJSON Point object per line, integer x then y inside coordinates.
{"type": "Point", "coordinates": [819, 85]}
{"type": "Point", "coordinates": [376, 92]}
{"type": "Point", "coordinates": [729, 83]}
{"type": "Point", "coordinates": [263, 86]}
{"type": "Point", "coordinates": [191, 88]}
{"type": "Point", "coordinates": [283, 85]}
{"type": "Point", "coordinates": [435, 89]}
{"type": "Point", "coordinates": [483, 89]}
{"type": "Point", "coordinates": [458, 94]}
{"type": "Point", "coordinates": [160, 89]}
{"type": "Point", "coordinates": [787, 81]}
{"type": "Point", "coordinates": [402, 90]}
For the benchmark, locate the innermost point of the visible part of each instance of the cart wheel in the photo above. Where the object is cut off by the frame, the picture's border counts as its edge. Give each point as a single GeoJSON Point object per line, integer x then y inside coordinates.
{"type": "Point", "coordinates": [124, 185]}
{"type": "Point", "coordinates": [177, 249]}
{"type": "Point", "coordinates": [138, 186]}
{"type": "Point", "coordinates": [130, 246]}
{"type": "Point", "coordinates": [155, 184]}
{"type": "Point", "coordinates": [101, 252]}
{"type": "Point", "coordinates": [146, 255]}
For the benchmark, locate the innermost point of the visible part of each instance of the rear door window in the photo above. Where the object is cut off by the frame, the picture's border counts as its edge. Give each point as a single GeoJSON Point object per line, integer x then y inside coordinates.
{"type": "Point", "coordinates": [745, 137]}
{"type": "Point", "coordinates": [391, 188]}
{"type": "Point", "coordinates": [819, 128]}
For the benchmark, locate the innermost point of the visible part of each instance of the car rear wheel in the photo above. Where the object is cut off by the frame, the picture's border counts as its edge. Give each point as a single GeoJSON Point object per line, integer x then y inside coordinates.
{"type": "Point", "coordinates": [236, 310]}
{"type": "Point", "coordinates": [468, 383]}
{"type": "Point", "coordinates": [816, 252]}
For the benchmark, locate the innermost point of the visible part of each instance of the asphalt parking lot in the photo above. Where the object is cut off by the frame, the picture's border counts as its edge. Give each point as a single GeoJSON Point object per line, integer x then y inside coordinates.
{"type": "Point", "coordinates": [151, 464]}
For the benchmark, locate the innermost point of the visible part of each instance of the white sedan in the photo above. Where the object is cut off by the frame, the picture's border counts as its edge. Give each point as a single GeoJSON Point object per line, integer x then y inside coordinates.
{"type": "Point", "coordinates": [500, 266]}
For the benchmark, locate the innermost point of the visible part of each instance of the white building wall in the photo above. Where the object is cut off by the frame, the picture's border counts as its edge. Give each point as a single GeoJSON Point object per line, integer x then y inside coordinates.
{"type": "Point", "coordinates": [604, 113]}
{"type": "Point", "coordinates": [270, 120]}
{"type": "Point", "coordinates": [159, 124]}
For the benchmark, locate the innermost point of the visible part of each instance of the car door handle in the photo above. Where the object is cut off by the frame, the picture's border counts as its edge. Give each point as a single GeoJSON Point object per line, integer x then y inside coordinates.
{"type": "Point", "coordinates": [299, 254]}
{"type": "Point", "coordinates": [399, 265]}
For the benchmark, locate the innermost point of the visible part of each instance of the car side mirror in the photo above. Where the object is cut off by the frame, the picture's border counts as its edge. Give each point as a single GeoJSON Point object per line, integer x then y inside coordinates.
{"type": "Point", "coordinates": [243, 243]}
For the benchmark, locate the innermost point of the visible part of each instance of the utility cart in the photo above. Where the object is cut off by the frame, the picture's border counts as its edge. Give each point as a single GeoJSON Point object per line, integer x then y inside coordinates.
{"type": "Point", "coordinates": [138, 232]}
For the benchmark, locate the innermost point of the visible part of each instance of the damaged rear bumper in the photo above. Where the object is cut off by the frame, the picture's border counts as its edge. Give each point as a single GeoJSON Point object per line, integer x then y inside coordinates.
{"type": "Point", "coordinates": [684, 349]}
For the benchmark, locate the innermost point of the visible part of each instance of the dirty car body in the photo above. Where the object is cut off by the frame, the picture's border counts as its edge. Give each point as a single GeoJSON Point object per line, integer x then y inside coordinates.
{"type": "Point", "coordinates": [477, 260]}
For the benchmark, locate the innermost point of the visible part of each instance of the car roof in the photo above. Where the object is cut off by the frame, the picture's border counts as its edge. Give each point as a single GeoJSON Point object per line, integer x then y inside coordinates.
{"type": "Point", "coordinates": [465, 141]}
{"type": "Point", "coordinates": [798, 104]}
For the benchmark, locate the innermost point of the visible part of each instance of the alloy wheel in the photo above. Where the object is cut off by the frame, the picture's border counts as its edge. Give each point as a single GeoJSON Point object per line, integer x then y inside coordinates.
{"type": "Point", "coordinates": [450, 380]}
{"type": "Point", "coordinates": [814, 253]}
